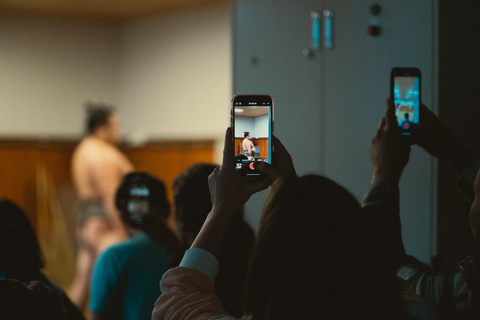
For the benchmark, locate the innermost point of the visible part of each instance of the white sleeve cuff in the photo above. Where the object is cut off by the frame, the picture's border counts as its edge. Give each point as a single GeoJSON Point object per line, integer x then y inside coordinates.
{"type": "Point", "coordinates": [201, 260]}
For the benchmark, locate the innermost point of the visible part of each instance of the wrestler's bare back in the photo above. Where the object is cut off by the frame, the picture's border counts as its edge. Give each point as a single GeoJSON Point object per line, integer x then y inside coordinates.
{"type": "Point", "coordinates": [98, 168]}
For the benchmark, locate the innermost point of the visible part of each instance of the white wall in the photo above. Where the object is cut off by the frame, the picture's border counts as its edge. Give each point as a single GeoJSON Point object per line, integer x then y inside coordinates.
{"type": "Point", "coordinates": [258, 127]}
{"type": "Point", "coordinates": [175, 79]}
{"type": "Point", "coordinates": [170, 76]}
{"type": "Point", "coordinates": [49, 69]}
{"type": "Point", "coordinates": [242, 125]}
{"type": "Point", "coordinates": [261, 127]}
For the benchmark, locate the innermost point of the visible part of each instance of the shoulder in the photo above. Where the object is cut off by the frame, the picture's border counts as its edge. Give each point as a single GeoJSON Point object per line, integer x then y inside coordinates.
{"type": "Point", "coordinates": [116, 253]}
{"type": "Point", "coordinates": [141, 245]}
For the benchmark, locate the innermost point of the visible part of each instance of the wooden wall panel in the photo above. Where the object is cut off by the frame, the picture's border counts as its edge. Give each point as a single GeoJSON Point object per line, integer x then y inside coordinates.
{"type": "Point", "coordinates": [262, 143]}
{"type": "Point", "coordinates": [168, 160]}
{"type": "Point", "coordinates": [19, 160]}
{"type": "Point", "coordinates": [19, 166]}
{"type": "Point", "coordinates": [36, 176]}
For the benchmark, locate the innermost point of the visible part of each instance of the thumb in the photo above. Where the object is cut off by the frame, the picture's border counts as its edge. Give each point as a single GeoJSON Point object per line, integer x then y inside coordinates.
{"type": "Point", "coordinates": [267, 169]}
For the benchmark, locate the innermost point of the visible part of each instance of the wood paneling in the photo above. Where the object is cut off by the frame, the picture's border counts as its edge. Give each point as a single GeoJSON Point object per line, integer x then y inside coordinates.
{"type": "Point", "coordinates": [36, 176]}
{"type": "Point", "coordinates": [260, 142]}
{"type": "Point", "coordinates": [19, 160]}
{"type": "Point", "coordinates": [166, 160]}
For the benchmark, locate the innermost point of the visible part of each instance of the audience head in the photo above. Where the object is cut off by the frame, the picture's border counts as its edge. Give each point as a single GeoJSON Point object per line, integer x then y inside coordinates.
{"type": "Point", "coordinates": [142, 201]}
{"type": "Point", "coordinates": [104, 120]}
{"type": "Point", "coordinates": [19, 250]}
{"type": "Point", "coordinates": [316, 256]}
{"type": "Point", "coordinates": [192, 201]}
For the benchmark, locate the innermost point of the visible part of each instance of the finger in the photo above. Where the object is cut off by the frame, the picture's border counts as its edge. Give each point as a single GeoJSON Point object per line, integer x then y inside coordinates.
{"type": "Point", "coordinates": [228, 157]}
{"type": "Point", "coordinates": [382, 123]}
{"type": "Point", "coordinates": [390, 114]}
{"type": "Point", "coordinates": [268, 170]}
{"type": "Point", "coordinates": [425, 113]}
{"type": "Point", "coordinates": [212, 183]}
{"type": "Point", "coordinates": [279, 148]}
{"type": "Point", "coordinates": [259, 184]}
{"type": "Point", "coordinates": [282, 158]}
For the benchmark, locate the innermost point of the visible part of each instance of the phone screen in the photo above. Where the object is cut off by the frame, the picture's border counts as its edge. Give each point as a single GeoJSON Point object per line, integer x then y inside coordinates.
{"type": "Point", "coordinates": [406, 97]}
{"type": "Point", "coordinates": [252, 124]}
{"type": "Point", "coordinates": [138, 205]}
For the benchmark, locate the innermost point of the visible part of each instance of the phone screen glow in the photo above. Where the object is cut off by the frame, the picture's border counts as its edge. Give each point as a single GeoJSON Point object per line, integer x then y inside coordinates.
{"type": "Point", "coordinates": [252, 134]}
{"type": "Point", "coordinates": [406, 97]}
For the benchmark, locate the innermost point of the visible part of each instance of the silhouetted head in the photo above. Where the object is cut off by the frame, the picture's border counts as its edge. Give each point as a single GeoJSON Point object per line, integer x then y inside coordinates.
{"type": "Point", "coordinates": [19, 249]}
{"type": "Point", "coordinates": [142, 201]}
{"type": "Point", "coordinates": [103, 120]}
{"type": "Point", "coordinates": [192, 201]}
{"type": "Point", "coordinates": [316, 256]}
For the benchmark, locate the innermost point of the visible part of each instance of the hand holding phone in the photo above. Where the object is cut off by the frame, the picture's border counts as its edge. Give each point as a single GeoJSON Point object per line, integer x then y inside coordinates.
{"type": "Point", "coordinates": [252, 125]}
{"type": "Point", "coordinates": [405, 92]}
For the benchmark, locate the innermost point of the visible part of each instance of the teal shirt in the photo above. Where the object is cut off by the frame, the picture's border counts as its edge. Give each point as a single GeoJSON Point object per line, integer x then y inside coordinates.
{"type": "Point", "coordinates": [126, 277]}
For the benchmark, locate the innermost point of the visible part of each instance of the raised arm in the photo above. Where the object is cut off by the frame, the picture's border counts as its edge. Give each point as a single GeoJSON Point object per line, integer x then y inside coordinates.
{"type": "Point", "coordinates": [388, 151]}
{"type": "Point", "coordinates": [454, 292]}
{"type": "Point", "coordinates": [187, 291]}
{"type": "Point", "coordinates": [433, 137]}
{"type": "Point", "coordinates": [389, 154]}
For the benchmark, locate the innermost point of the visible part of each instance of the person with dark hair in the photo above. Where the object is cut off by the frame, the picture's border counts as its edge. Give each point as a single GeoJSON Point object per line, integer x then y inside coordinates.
{"type": "Point", "coordinates": [31, 300]}
{"type": "Point", "coordinates": [98, 115]}
{"type": "Point", "coordinates": [453, 292]}
{"type": "Point", "coordinates": [319, 253]}
{"type": "Point", "coordinates": [21, 260]}
{"type": "Point", "coordinates": [192, 204]}
{"type": "Point", "coordinates": [122, 286]}
{"type": "Point", "coordinates": [97, 169]}
{"type": "Point", "coordinates": [248, 146]}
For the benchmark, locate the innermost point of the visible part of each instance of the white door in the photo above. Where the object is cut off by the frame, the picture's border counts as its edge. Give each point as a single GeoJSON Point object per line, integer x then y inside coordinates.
{"type": "Point", "coordinates": [329, 101]}
{"type": "Point", "coordinates": [356, 72]}
{"type": "Point", "coordinates": [269, 38]}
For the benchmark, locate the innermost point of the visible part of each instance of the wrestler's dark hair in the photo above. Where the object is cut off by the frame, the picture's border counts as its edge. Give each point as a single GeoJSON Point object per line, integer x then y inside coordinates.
{"type": "Point", "coordinates": [97, 115]}
{"type": "Point", "coordinates": [245, 134]}
{"type": "Point", "coordinates": [19, 249]}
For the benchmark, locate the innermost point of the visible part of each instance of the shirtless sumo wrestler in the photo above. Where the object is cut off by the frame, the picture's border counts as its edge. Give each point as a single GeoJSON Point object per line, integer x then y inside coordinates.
{"type": "Point", "coordinates": [98, 167]}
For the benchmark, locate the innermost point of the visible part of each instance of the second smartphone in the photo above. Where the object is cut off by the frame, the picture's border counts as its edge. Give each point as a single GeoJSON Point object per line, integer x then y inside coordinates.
{"type": "Point", "coordinates": [252, 126]}
{"type": "Point", "coordinates": [405, 91]}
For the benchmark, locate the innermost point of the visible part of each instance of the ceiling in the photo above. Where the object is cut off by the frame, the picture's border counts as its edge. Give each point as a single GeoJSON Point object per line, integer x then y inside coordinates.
{"type": "Point", "coordinates": [251, 112]}
{"type": "Point", "coordinates": [102, 10]}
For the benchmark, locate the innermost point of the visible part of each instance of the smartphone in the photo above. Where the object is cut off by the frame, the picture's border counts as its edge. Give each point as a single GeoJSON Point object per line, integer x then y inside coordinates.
{"type": "Point", "coordinates": [252, 126]}
{"type": "Point", "coordinates": [138, 204]}
{"type": "Point", "coordinates": [405, 91]}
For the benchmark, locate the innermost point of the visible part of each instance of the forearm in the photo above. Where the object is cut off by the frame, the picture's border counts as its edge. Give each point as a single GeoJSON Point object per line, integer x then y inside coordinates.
{"type": "Point", "coordinates": [381, 205]}
{"type": "Point", "coordinates": [188, 292]}
{"type": "Point", "coordinates": [213, 230]}
{"type": "Point", "coordinates": [452, 291]}
{"type": "Point", "coordinates": [458, 156]}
